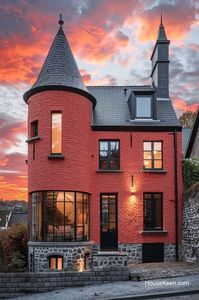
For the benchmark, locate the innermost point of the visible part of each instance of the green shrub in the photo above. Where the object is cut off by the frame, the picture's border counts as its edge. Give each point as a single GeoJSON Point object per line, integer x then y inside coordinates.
{"type": "Point", "coordinates": [190, 172]}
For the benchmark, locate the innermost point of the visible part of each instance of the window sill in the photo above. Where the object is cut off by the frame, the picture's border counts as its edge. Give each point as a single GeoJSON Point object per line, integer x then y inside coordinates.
{"type": "Point", "coordinates": [160, 171]}
{"type": "Point", "coordinates": [56, 156]}
{"type": "Point", "coordinates": [154, 232]}
{"type": "Point", "coordinates": [109, 171]}
{"type": "Point", "coordinates": [33, 139]}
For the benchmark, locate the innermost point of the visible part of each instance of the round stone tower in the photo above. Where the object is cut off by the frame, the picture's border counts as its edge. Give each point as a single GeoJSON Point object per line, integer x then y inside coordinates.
{"type": "Point", "coordinates": [59, 157]}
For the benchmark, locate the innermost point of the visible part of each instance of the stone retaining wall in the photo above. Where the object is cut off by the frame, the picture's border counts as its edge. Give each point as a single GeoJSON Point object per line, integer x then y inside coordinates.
{"type": "Point", "coordinates": [15, 284]}
{"type": "Point", "coordinates": [190, 223]}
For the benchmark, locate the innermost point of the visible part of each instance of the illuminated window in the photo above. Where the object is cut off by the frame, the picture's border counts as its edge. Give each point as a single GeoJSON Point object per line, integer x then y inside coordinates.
{"type": "Point", "coordinates": [56, 262]}
{"type": "Point", "coordinates": [109, 156]}
{"type": "Point", "coordinates": [56, 133]}
{"type": "Point", "coordinates": [143, 107]}
{"type": "Point", "coordinates": [153, 214]}
{"type": "Point", "coordinates": [34, 129]}
{"type": "Point", "coordinates": [153, 155]}
{"type": "Point", "coordinates": [60, 216]}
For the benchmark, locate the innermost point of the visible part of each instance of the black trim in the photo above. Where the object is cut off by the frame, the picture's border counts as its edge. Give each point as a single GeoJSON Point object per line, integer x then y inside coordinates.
{"type": "Point", "coordinates": [33, 139]}
{"type": "Point", "coordinates": [109, 171]}
{"type": "Point", "coordinates": [161, 171]}
{"type": "Point", "coordinates": [109, 151]}
{"type": "Point", "coordinates": [157, 62]}
{"type": "Point", "coordinates": [158, 42]}
{"type": "Point", "coordinates": [176, 189]}
{"type": "Point", "coordinates": [154, 232]}
{"type": "Point", "coordinates": [152, 155]}
{"type": "Point", "coordinates": [135, 128]}
{"type": "Point", "coordinates": [56, 156]}
{"type": "Point", "coordinates": [193, 135]}
{"type": "Point", "coordinates": [36, 90]}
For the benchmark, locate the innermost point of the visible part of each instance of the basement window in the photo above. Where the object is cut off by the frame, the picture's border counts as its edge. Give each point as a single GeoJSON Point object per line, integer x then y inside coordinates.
{"type": "Point", "coordinates": [56, 262]}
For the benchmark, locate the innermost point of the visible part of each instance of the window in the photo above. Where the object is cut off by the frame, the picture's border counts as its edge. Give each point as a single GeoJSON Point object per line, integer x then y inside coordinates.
{"type": "Point", "coordinates": [143, 107]}
{"type": "Point", "coordinates": [153, 211]}
{"type": "Point", "coordinates": [109, 156]}
{"type": "Point", "coordinates": [34, 129]}
{"type": "Point", "coordinates": [60, 216]}
{"type": "Point", "coordinates": [153, 155]}
{"type": "Point", "coordinates": [56, 133]}
{"type": "Point", "coordinates": [56, 262]}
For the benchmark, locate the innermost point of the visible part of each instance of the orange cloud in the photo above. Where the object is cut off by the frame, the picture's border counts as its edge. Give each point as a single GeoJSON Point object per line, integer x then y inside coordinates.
{"type": "Point", "coordinates": [182, 106]}
{"type": "Point", "coordinates": [178, 17]}
{"type": "Point", "coordinates": [13, 187]}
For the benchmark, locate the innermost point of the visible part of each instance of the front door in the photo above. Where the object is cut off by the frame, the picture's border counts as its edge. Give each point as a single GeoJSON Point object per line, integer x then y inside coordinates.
{"type": "Point", "coordinates": [108, 222]}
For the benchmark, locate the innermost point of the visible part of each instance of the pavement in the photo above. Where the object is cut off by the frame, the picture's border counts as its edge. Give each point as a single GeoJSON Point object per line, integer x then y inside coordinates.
{"type": "Point", "coordinates": [172, 280]}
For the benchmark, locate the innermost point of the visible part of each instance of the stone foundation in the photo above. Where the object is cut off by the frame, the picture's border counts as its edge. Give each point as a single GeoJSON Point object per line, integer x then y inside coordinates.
{"type": "Point", "coordinates": [86, 255]}
{"type": "Point", "coordinates": [103, 260]}
{"type": "Point", "coordinates": [75, 256]}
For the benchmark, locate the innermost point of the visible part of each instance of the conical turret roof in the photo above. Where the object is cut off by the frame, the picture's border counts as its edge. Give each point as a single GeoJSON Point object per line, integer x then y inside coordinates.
{"type": "Point", "coordinates": [59, 70]}
{"type": "Point", "coordinates": [161, 32]}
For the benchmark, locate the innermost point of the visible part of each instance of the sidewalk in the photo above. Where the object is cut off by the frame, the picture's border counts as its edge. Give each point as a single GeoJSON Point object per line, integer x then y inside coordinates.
{"type": "Point", "coordinates": [123, 290]}
{"type": "Point", "coordinates": [162, 270]}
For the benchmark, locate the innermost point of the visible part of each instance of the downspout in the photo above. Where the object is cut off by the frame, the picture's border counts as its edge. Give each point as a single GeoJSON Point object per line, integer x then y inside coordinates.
{"type": "Point", "coordinates": [176, 191]}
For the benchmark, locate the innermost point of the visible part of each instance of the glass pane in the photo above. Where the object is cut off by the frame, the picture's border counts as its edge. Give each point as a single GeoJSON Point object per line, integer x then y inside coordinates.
{"type": "Point", "coordinates": [59, 196]}
{"type": "Point", "coordinates": [79, 197]}
{"type": "Point", "coordinates": [69, 196]}
{"type": "Point", "coordinates": [114, 146]}
{"type": "Point", "coordinates": [148, 164]}
{"type": "Point", "coordinates": [157, 146]}
{"type": "Point", "coordinates": [157, 154]}
{"type": "Point", "coordinates": [111, 209]}
{"type": "Point", "coordinates": [104, 164]}
{"type": "Point", "coordinates": [53, 263]}
{"type": "Point", "coordinates": [79, 214]}
{"type": "Point", "coordinates": [112, 226]}
{"type": "Point", "coordinates": [103, 154]}
{"type": "Point", "coordinates": [147, 146]}
{"type": "Point", "coordinates": [112, 218]}
{"type": "Point", "coordinates": [157, 196]}
{"type": "Point", "coordinates": [147, 155]}
{"type": "Point", "coordinates": [50, 212]}
{"type": "Point", "coordinates": [59, 263]}
{"type": "Point", "coordinates": [104, 145]}
{"type": "Point", "coordinates": [143, 107]}
{"type": "Point", "coordinates": [69, 221]}
{"type": "Point", "coordinates": [157, 164]}
{"type": "Point", "coordinates": [56, 132]}
{"type": "Point", "coordinates": [147, 196]}
{"type": "Point", "coordinates": [114, 165]}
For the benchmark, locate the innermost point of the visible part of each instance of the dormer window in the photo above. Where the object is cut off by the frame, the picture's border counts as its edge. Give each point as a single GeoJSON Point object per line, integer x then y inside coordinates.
{"type": "Point", "coordinates": [143, 107]}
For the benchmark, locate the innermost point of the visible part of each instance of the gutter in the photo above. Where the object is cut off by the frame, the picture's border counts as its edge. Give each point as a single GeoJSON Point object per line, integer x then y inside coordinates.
{"type": "Point", "coordinates": [176, 191]}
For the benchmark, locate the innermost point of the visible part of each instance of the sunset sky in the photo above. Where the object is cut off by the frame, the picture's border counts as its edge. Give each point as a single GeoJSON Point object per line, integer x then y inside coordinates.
{"type": "Point", "coordinates": [112, 41]}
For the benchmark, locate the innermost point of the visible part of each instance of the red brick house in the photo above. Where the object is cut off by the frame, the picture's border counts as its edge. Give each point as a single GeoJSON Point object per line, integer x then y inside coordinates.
{"type": "Point", "coordinates": [104, 166]}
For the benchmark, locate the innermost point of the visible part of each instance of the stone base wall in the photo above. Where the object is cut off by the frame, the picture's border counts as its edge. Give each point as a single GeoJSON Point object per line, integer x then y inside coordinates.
{"type": "Point", "coordinates": [190, 224]}
{"type": "Point", "coordinates": [86, 255]}
{"type": "Point", "coordinates": [108, 260]}
{"type": "Point", "coordinates": [74, 256]}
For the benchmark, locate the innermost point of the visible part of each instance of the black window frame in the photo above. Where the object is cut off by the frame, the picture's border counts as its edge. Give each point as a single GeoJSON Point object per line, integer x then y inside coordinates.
{"type": "Point", "coordinates": [152, 228]}
{"type": "Point", "coordinates": [152, 155]}
{"type": "Point", "coordinates": [109, 151]}
{"type": "Point", "coordinates": [56, 257]}
{"type": "Point", "coordinates": [144, 96]}
{"type": "Point", "coordinates": [34, 129]}
{"type": "Point", "coordinates": [40, 197]}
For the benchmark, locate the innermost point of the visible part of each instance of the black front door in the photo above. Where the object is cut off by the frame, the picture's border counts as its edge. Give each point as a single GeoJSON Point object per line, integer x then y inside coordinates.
{"type": "Point", "coordinates": [108, 222]}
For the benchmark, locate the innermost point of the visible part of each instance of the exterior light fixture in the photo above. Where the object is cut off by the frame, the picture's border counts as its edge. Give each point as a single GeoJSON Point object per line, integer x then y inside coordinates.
{"type": "Point", "coordinates": [132, 180]}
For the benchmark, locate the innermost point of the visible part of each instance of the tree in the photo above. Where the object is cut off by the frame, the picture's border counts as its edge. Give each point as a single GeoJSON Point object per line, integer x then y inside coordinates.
{"type": "Point", "coordinates": [187, 119]}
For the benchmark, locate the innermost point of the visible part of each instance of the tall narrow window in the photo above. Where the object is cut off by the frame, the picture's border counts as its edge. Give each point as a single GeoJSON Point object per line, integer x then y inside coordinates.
{"type": "Point", "coordinates": [153, 155]}
{"type": "Point", "coordinates": [34, 129]}
{"type": "Point", "coordinates": [153, 211]}
{"type": "Point", "coordinates": [56, 133]}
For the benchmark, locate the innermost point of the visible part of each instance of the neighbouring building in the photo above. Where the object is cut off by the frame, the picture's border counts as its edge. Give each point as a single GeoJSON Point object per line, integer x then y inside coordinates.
{"type": "Point", "coordinates": [104, 167]}
{"type": "Point", "coordinates": [192, 145]}
{"type": "Point", "coordinates": [4, 218]}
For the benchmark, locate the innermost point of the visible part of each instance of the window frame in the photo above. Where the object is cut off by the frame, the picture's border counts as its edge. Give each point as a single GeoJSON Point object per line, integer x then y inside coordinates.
{"type": "Point", "coordinates": [152, 154]}
{"type": "Point", "coordinates": [161, 212]}
{"type": "Point", "coordinates": [151, 106]}
{"type": "Point", "coordinates": [51, 150]}
{"type": "Point", "coordinates": [32, 130]}
{"type": "Point", "coordinates": [109, 160]}
{"type": "Point", "coordinates": [56, 257]}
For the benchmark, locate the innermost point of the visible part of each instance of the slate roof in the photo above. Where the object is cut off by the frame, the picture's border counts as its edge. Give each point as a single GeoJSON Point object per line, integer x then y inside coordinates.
{"type": "Point", "coordinates": [161, 33]}
{"type": "Point", "coordinates": [112, 107]}
{"type": "Point", "coordinates": [18, 218]}
{"type": "Point", "coordinates": [60, 70]}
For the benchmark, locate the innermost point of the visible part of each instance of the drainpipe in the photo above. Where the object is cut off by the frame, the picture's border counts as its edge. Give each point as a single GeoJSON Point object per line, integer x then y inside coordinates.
{"type": "Point", "coordinates": [176, 190]}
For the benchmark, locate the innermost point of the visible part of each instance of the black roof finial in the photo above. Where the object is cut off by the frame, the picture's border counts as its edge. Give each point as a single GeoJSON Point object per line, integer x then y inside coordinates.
{"type": "Point", "coordinates": [61, 22]}
{"type": "Point", "coordinates": [161, 18]}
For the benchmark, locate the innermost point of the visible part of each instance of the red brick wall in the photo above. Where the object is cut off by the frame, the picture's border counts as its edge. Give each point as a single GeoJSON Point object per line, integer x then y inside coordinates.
{"type": "Point", "coordinates": [78, 170]}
